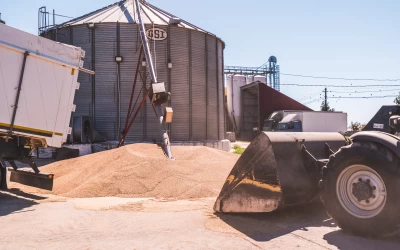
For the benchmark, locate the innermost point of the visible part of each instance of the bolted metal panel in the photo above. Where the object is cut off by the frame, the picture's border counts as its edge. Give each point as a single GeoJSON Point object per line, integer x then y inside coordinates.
{"type": "Point", "coordinates": [190, 86]}
{"type": "Point", "coordinates": [199, 122]}
{"type": "Point", "coordinates": [46, 35]}
{"type": "Point", "coordinates": [221, 112]}
{"type": "Point", "coordinates": [83, 99]}
{"type": "Point", "coordinates": [82, 34]}
{"type": "Point", "coordinates": [250, 112]}
{"type": "Point", "coordinates": [159, 53]}
{"type": "Point", "coordinates": [212, 105]}
{"type": "Point", "coordinates": [106, 32]}
{"type": "Point", "coordinates": [71, 35]}
{"type": "Point", "coordinates": [130, 32]}
{"type": "Point", "coordinates": [106, 80]}
{"type": "Point", "coordinates": [130, 54]}
{"type": "Point", "coordinates": [180, 83]}
{"type": "Point", "coordinates": [63, 35]}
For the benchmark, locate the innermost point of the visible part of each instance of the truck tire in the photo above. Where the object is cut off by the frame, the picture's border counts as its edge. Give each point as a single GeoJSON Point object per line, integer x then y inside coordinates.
{"type": "Point", "coordinates": [360, 186]}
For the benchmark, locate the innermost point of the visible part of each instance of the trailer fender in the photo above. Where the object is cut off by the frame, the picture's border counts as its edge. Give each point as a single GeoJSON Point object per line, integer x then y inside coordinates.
{"type": "Point", "coordinates": [387, 140]}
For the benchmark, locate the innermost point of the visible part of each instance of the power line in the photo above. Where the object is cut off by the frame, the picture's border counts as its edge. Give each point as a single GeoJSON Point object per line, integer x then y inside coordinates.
{"type": "Point", "coordinates": [377, 87]}
{"type": "Point", "coordinates": [366, 91]}
{"type": "Point", "coordinates": [361, 97]}
{"type": "Point", "coordinates": [312, 101]}
{"type": "Point", "coordinates": [343, 78]}
{"type": "Point", "coordinates": [338, 86]}
{"type": "Point", "coordinates": [309, 96]}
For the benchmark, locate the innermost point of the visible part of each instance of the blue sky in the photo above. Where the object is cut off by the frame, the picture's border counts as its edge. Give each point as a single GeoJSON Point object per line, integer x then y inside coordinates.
{"type": "Point", "coordinates": [351, 39]}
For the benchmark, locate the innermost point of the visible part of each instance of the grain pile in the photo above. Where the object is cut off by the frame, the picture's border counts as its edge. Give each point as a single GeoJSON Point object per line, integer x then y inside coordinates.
{"type": "Point", "coordinates": [142, 170]}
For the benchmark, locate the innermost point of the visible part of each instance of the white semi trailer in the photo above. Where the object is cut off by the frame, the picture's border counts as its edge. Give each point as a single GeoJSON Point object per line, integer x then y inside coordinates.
{"type": "Point", "coordinates": [306, 121]}
{"type": "Point", "coordinates": [38, 80]}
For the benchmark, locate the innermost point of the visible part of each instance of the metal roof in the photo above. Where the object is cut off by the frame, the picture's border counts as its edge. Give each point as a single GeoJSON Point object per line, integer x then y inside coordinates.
{"type": "Point", "coordinates": [125, 12]}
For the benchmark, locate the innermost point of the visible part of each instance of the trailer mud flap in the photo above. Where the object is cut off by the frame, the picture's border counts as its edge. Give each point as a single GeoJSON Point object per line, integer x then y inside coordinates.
{"type": "Point", "coordinates": [275, 171]}
{"type": "Point", "coordinates": [30, 178]}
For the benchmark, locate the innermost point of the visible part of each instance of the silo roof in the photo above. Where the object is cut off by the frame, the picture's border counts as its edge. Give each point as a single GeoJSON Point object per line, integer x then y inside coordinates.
{"type": "Point", "coordinates": [125, 12]}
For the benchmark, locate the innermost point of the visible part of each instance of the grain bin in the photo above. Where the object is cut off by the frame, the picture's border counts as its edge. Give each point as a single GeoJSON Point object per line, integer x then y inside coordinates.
{"type": "Point", "coordinates": [250, 79]}
{"type": "Point", "coordinates": [233, 84]}
{"type": "Point", "coordinates": [187, 58]}
{"type": "Point", "coordinates": [260, 78]}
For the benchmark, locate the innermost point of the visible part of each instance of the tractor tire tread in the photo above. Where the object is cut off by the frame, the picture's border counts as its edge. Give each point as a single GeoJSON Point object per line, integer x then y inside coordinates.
{"type": "Point", "coordinates": [388, 221]}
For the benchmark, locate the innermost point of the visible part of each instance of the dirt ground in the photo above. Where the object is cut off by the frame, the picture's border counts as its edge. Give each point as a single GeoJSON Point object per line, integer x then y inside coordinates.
{"type": "Point", "coordinates": [33, 221]}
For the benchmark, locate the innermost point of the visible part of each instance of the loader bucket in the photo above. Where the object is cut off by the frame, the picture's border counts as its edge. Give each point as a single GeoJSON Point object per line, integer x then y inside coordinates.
{"type": "Point", "coordinates": [277, 170]}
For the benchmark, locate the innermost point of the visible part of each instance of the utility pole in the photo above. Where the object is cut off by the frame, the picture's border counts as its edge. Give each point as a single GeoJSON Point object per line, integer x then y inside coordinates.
{"type": "Point", "coordinates": [326, 99]}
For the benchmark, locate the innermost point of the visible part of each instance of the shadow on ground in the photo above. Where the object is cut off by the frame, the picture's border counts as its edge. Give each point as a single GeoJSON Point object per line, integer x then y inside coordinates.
{"type": "Point", "coordinates": [264, 227]}
{"type": "Point", "coordinates": [16, 201]}
{"type": "Point", "coordinates": [345, 241]}
{"type": "Point", "coordinates": [267, 226]}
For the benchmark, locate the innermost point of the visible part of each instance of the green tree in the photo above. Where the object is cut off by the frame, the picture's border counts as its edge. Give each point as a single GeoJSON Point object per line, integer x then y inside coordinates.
{"type": "Point", "coordinates": [397, 99]}
{"type": "Point", "coordinates": [356, 126]}
{"type": "Point", "coordinates": [326, 107]}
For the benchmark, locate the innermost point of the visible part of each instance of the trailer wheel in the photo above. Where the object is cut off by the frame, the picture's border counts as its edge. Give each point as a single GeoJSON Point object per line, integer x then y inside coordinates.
{"type": "Point", "coordinates": [360, 185]}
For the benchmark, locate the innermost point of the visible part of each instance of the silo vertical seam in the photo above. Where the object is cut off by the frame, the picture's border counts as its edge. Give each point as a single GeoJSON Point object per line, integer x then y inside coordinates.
{"type": "Point", "coordinates": [242, 113]}
{"type": "Point", "coordinates": [93, 77]}
{"type": "Point", "coordinates": [144, 73]}
{"type": "Point", "coordinates": [71, 35]}
{"type": "Point", "coordinates": [223, 93]}
{"type": "Point", "coordinates": [258, 104]}
{"type": "Point", "coordinates": [206, 51]}
{"type": "Point", "coordinates": [190, 85]}
{"type": "Point", "coordinates": [118, 82]}
{"type": "Point", "coordinates": [218, 119]}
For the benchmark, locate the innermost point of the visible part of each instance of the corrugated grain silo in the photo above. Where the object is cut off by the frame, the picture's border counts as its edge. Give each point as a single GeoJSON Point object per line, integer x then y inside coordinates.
{"type": "Point", "coordinates": [187, 58]}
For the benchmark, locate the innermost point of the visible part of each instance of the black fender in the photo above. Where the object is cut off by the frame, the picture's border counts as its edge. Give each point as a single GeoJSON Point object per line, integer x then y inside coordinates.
{"type": "Point", "coordinates": [388, 140]}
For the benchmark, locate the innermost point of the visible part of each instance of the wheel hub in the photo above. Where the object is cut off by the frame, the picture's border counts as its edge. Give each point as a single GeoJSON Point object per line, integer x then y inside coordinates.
{"type": "Point", "coordinates": [362, 190]}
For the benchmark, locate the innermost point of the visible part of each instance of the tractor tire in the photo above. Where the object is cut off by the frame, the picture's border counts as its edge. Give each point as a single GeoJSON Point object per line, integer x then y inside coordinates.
{"type": "Point", "coordinates": [360, 186]}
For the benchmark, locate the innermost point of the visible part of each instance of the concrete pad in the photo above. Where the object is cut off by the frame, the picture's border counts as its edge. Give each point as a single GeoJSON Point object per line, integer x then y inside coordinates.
{"type": "Point", "coordinates": [38, 222]}
{"type": "Point", "coordinates": [224, 145]}
{"type": "Point", "coordinates": [103, 203]}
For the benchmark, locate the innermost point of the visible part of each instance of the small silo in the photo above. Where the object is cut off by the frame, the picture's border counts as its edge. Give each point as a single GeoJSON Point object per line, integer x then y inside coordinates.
{"type": "Point", "coordinates": [260, 78]}
{"type": "Point", "coordinates": [233, 97]}
{"type": "Point", "coordinates": [256, 78]}
{"type": "Point", "coordinates": [187, 58]}
{"type": "Point", "coordinates": [250, 79]}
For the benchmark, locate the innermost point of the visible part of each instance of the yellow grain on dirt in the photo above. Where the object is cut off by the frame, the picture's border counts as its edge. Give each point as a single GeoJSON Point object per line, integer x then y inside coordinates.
{"type": "Point", "coordinates": [142, 170]}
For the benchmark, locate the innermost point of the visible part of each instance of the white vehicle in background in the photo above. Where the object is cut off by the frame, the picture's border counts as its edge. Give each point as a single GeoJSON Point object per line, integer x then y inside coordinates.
{"type": "Point", "coordinates": [306, 121]}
